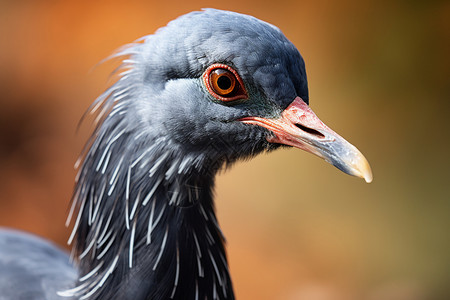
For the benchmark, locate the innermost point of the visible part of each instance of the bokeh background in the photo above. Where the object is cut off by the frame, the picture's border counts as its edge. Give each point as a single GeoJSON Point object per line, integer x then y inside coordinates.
{"type": "Point", "coordinates": [297, 228]}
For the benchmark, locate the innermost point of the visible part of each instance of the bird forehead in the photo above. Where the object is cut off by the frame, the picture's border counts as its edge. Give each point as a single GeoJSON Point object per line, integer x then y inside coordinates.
{"type": "Point", "coordinates": [202, 38]}
{"type": "Point", "coordinates": [259, 52]}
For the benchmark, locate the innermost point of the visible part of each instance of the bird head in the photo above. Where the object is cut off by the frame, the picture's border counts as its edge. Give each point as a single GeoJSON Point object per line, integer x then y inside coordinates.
{"type": "Point", "coordinates": [220, 86]}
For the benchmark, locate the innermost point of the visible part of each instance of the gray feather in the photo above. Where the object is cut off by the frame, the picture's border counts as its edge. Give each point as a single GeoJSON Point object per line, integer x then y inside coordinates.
{"type": "Point", "coordinates": [32, 268]}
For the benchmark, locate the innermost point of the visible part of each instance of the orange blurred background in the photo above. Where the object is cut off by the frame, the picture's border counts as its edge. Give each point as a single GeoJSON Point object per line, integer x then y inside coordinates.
{"type": "Point", "coordinates": [297, 228]}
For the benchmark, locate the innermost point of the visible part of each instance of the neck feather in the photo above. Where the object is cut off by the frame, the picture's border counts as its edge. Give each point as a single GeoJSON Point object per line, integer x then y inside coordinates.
{"type": "Point", "coordinates": [146, 226]}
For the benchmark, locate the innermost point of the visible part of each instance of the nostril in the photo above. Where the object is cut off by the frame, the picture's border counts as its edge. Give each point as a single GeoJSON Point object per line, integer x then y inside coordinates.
{"type": "Point", "coordinates": [310, 131]}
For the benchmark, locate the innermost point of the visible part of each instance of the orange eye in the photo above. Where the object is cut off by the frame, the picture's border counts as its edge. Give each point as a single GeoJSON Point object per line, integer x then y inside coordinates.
{"type": "Point", "coordinates": [224, 83]}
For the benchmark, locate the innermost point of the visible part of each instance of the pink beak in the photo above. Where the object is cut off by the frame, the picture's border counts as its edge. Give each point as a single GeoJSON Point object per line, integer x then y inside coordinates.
{"type": "Point", "coordinates": [299, 127]}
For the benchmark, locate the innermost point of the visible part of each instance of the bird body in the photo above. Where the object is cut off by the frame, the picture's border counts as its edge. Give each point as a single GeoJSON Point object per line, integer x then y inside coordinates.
{"type": "Point", "coordinates": [208, 89]}
{"type": "Point", "coordinates": [32, 268]}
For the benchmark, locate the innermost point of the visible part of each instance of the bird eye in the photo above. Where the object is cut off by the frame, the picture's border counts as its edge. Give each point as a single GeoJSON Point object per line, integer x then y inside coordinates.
{"type": "Point", "coordinates": [224, 83]}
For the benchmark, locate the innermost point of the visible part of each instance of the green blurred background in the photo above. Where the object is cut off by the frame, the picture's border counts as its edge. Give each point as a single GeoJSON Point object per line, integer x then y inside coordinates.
{"type": "Point", "coordinates": [297, 228]}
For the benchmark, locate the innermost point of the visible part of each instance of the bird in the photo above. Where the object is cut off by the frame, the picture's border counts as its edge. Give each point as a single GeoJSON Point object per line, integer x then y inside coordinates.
{"type": "Point", "coordinates": [210, 88]}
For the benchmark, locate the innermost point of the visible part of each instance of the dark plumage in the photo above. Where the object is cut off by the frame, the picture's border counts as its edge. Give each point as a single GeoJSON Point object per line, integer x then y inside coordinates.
{"type": "Point", "coordinates": [143, 211]}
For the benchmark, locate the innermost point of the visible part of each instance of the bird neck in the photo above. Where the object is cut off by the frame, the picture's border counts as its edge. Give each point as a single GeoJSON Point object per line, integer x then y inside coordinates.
{"type": "Point", "coordinates": [146, 226]}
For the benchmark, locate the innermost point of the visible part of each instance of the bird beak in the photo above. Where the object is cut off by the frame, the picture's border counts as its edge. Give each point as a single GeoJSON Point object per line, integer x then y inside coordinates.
{"type": "Point", "coordinates": [299, 127]}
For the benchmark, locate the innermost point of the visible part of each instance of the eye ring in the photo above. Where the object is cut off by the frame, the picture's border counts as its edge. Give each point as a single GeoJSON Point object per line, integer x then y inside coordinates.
{"type": "Point", "coordinates": [224, 83]}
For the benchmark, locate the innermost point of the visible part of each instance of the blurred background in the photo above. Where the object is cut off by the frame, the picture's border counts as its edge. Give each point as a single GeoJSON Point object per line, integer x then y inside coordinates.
{"type": "Point", "coordinates": [297, 228]}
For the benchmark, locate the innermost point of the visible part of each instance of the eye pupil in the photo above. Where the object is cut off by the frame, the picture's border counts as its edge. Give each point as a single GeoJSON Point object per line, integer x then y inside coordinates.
{"type": "Point", "coordinates": [224, 82]}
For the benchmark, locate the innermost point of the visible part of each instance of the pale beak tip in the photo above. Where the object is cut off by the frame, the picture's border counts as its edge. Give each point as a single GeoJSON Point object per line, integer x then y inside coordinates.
{"type": "Point", "coordinates": [364, 170]}
{"type": "Point", "coordinates": [354, 163]}
{"type": "Point", "coordinates": [368, 177]}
